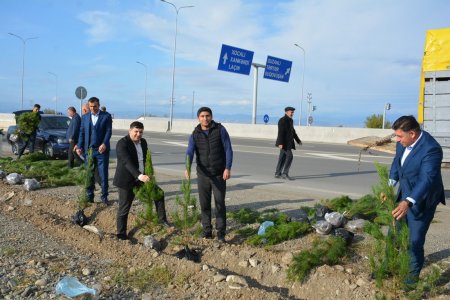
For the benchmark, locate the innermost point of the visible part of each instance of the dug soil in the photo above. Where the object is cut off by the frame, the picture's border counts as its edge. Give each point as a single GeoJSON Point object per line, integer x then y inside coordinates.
{"type": "Point", "coordinates": [260, 272]}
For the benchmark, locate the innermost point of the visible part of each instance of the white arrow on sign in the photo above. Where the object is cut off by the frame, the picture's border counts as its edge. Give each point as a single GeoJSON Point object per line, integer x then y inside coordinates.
{"type": "Point", "coordinates": [288, 70]}
{"type": "Point", "coordinates": [225, 58]}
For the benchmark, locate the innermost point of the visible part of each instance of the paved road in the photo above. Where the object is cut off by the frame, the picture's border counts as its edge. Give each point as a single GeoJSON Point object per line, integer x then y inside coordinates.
{"type": "Point", "coordinates": [320, 170]}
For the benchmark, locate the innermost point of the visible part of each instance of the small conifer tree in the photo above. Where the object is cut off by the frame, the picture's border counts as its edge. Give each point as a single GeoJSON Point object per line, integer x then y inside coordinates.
{"type": "Point", "coordinates": [83, 200]}
{"type": "Point", "coordinates": [148, 193]}
{"type": "Point", "coordinates": [186, 216]}
{"type": "Point", "coordinates": [390, 255]}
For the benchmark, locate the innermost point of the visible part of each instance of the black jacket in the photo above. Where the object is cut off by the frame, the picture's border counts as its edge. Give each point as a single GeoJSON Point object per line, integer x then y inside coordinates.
{"type": "Point", "coordinates": [286, 133]}
{"type": "Point", "coordinates": [209, 151]}
{"type": "Point", "coordinates": [127, 170]}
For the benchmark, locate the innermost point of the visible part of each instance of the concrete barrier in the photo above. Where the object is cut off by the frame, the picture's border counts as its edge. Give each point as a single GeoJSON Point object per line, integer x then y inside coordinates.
{"type": "Point", "coordinates": [338, 135]}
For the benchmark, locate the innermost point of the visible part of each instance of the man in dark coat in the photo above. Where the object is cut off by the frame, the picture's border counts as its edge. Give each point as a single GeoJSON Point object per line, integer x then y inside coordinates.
{"type": "Point", "coordinates": [72, 134]}
{"type": "Point", "coordinates": [285, 141]}
{"type": "Point", "coordinates": [131, 158]}
{"type": "Point", "coordinates": [417, 169]}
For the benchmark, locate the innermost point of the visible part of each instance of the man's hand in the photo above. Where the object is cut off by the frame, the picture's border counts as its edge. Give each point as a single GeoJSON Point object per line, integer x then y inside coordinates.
{"type": "Point", "coordinates": [102, 148]}
{"type": "Point", "coordinates": [143, 178]}
{"type": "Point", "coordinates": [78, 151]}
{"type": "Point", "coordinates": [400, 211]}
{"type": "Point", "coordinates": [226, 174]}
{"type": "Point", "coordinates": [280, 146]}
{"type": "Point", "coordinates": [300, 142]}
{"type": "Point", "coordinates": [186, 174]}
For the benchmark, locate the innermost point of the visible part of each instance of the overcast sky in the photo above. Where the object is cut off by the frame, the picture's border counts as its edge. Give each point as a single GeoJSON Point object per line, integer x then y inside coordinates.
{"type": "Point", "coordinates": [359, 55]}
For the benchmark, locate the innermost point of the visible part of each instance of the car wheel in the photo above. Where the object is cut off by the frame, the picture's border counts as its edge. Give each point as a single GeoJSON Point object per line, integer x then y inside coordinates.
{"type": "Point", "coordinates": [48, 150]}
{"type": "Point", "coordinates": [15, 148]}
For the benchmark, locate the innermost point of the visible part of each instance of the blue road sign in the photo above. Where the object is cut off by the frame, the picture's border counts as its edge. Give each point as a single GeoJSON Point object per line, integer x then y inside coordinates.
{"type": "Point", "coordinates": [277, 69]}
{"type": "Point", "coordinates": [266, 118]}
{"type": "Point", "coordinates": [235, 60]}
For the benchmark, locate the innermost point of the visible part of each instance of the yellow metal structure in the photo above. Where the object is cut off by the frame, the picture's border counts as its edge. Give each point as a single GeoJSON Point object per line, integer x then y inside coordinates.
{"type": "Point", "coordinates": [436, 57]}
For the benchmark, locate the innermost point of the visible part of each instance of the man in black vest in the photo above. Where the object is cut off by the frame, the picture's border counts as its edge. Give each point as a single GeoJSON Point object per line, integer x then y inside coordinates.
{"type": "Point", "coordinates": [131, 154]}
{"type": "Point", "coordinates": [212, 147]}
{"type": "Point", "coordinates": [285, 141]}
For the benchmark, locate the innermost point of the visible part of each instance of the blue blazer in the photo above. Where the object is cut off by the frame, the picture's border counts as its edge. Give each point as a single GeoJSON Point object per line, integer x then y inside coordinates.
{"type": "Point", "coordinates": [101, 132]}
{"type": "Point", "coordinates": [73, 131]}
{"type": "Point", "coordinates": [420, 176]}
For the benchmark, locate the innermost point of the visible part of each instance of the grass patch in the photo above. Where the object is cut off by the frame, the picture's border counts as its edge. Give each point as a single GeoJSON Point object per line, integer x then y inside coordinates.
{"type": "Point", "coordinates": [249, 216]}
{"type": "Point", "coordinates": [50, 173]}
{"type": "Point", "coordinates": [8, 251]}
{"type": "Point", "coordinates": [280, 233]}
{"type": "Point", "coordinates": [329, 251]}
{"type": "Point", "coordinates": [142, 279]}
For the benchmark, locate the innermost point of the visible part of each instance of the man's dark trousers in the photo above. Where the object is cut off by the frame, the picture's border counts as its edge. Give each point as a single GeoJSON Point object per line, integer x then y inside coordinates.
{"type": "Point", "coordinates": [284, 162]}
{"type": "Point", "coordinates": [126, 198]}
{"type": "Point", "coordinates": [101, 161]}
{"type": "Point", "coordinates": [71, 156]}
{"type": "Point", "coordinates": [218, 186]}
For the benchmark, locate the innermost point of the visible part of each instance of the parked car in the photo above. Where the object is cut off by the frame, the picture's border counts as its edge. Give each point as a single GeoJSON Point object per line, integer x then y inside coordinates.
{"type": "Point", "coordinates": [50, 136]}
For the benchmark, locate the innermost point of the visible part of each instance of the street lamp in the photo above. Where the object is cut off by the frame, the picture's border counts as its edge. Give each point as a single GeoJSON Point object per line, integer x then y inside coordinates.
{"type": "Point", "coordinates": [56, 99]}
{"type": "Point", "coordinates": [145, 90]}
{"type": "Point", "coordinates": [303, 83]}
{"type": "Point", "coordinates": [177, 9]}
{"type": "Point", "coordinates": [24, 41]}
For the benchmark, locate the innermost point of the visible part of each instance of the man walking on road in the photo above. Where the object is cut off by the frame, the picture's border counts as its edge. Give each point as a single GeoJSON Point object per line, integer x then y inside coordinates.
{"type": "Point", "coordinates": [285, 141]}
{"type": "Point", "coordinates": [417, 169]}
{"type": "Point", "coordinates": [212, 147]}
{"type": "Point", "coordinates": [95, 133]}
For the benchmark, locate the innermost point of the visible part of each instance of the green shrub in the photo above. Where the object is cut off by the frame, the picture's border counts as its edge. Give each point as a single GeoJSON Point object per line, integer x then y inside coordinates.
{"type": "Point", "coordinates": [329, 251]}
{"type": "Point", "coordinates": [280, 233]}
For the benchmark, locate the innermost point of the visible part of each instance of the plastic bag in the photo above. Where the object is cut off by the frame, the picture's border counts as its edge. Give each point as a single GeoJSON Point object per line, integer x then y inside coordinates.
{"type": "Point", "coordinates": [71, 287]}
{"type": "Point", "coordinates": [355, 225]}
{"type": "Point", "coordinates": [322, 227]}
{"type": "Point", "coordinates": [301, 217]}
{"type": "Point", "coordinates": [321, 211]}
{"type": "Point", "coordinates": [188, 254]}
{"type": "Point", "coordinates": [14, 178]}
{"type": "Point", "coordinates": [151, 242]}
{"type": "Point", "coordinates": [31, 184]}
{"type": "Point", "coordinates": [80, 218]}
{"type": "Point", "coordinates": [336, 219]}
{"type": "Point", "coordinates": [264, 225]}
{"type": "Point", "coordinates": [346, 235]}
{"type": "Point", "coordinates": [2, 174]}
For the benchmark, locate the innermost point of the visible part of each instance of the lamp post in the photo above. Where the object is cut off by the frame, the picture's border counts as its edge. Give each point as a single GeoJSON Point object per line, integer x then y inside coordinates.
{"type": "Point", "coordinates": [303, 83]}
{"type": "Point", "coordinates": [177, 9]}
{"type": "Point", "coordinates": [24, 41]}
{"type": "Point", "coordinates": [145, 90]}
{"type": "Point", "coordinates": [56, 94]}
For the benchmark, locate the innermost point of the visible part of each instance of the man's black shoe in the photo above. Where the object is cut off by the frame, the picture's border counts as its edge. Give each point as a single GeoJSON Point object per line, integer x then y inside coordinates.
{"type": "Point", "coordinates": [277, 176]}
{"type": "Point", "coordinates": [166, 224]}
{"type": "Point", "coordinates": [122, 237]}
{"type": "Point", "coordinates": [221, 237]}
{"type": "Point", "coordinates": [106, 202]}
{"type": "Point", "coordinates": [287, 177]}
{"type": "Point", "coordinates": [207, 235]}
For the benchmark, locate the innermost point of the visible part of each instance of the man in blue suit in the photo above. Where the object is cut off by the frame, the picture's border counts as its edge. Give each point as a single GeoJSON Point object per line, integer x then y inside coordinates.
{"type": "Point", "coordinates": [95, 133]}
{"type": "Point", "coordinates": [72, 134]}
{"type": "Point", "coordinates": [417, 169]}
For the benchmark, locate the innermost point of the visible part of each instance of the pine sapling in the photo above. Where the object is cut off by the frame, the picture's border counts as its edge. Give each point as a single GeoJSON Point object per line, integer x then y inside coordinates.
{"type": "Point", "coordinates": [83, 200]}
{"type": "Point", "coordinates": [186, 215]}
{"type": "Point", "coordinates": [148, 193]}
{"type": "Point", "coordinates": [390, 254]}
